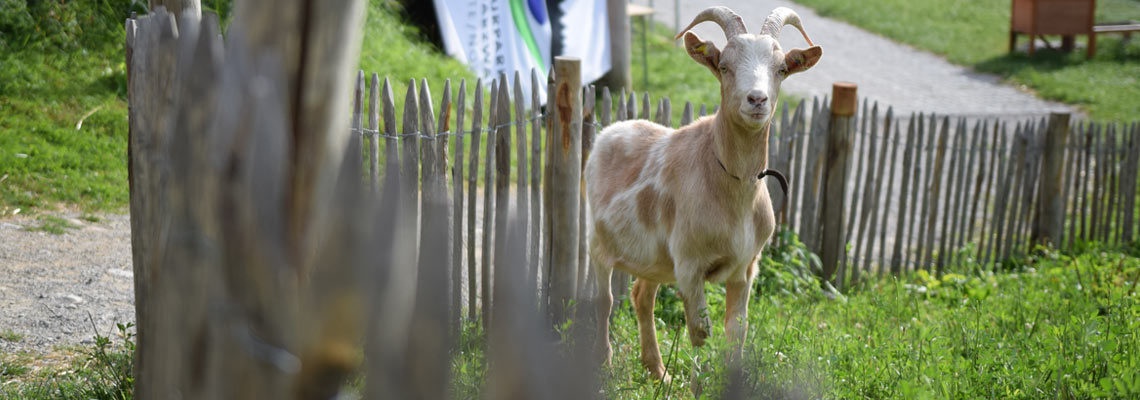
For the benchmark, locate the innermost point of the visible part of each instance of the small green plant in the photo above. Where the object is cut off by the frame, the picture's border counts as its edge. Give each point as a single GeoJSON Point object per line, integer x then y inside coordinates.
{"type": "Point", "coordinates": [90, 218]}
{"type": "Point", "coordinates": [11, 336]}
{"type": "Point", "coordinates": [52, 224]}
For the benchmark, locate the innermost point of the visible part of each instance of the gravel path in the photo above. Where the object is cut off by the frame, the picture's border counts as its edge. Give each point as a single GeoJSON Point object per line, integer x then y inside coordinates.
{"type": "Point", "coordinates": [886, 71]}
{"type": "Point", "coordinates": [54, 287]}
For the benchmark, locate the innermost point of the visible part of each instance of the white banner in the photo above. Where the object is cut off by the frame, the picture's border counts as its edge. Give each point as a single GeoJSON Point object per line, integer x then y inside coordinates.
{"type": "Point", "coordinates": [498, 37]}
{"type": "Point", "coordinates": [586, 35]}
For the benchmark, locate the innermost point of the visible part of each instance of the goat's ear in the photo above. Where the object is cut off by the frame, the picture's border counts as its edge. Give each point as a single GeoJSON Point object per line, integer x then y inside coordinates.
{"type": "Point", "coordinates": [704, 52]}
{"type": "Point", "coordinates": [800, 60]}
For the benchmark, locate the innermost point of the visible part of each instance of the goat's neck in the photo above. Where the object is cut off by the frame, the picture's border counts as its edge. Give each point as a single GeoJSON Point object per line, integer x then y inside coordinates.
{"type": "Point", "coordinates": [743, 151]}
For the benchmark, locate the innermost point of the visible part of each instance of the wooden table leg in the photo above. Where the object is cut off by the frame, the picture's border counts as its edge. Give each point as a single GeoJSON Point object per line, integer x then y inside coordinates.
{"type": "Point", "coordinates": [1068, 43]}
{"type": "Point", "coordinates": [1012, 40]}
{"type": "Point", "coordinates": [1092, 46]}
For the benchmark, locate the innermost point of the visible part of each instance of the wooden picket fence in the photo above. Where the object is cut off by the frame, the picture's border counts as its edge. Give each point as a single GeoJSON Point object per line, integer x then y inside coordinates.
{"type": "Point", "coordinates": [919, 192]}
{"type": "Point", "coordinates": [940, 192]}
{"type": "Point", "coordinates": [262, 265]}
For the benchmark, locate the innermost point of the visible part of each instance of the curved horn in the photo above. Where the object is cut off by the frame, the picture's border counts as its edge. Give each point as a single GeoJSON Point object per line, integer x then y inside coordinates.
{"type": "Point", "coordinates": [778, 18]}
{"type": "Point", "coordinates": [731, 23]}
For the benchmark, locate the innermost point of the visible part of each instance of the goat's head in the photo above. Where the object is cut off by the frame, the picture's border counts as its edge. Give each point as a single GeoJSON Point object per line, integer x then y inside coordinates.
{"type": "Point", "coordinates": [751, 66]}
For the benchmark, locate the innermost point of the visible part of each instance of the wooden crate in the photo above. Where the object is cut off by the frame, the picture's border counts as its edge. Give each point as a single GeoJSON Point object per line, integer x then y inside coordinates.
{"type": "Point", "coordinates": [1053, 17]}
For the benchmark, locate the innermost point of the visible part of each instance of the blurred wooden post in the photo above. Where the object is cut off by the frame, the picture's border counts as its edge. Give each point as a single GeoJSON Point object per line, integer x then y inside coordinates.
{"type": "Point", "coordinates": [843, 104]}
{"type": "Point", "coordinates": [1050, 203]}
{"type": "Point", "coordinates": [619, 76]}
{"type": "Point", "coordinates": [564, 162]}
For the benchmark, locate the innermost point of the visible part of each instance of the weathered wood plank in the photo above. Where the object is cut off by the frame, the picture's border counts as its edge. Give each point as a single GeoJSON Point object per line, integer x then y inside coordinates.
{"type": "Point", "coordinates": [410, 170]}
{"type": "Point", "coordinates": [978, 170]}
{"type": "Point", "coordinates": [797, 167]}
{"type": "Point", "coordinates": [988, 174]}
{"type": "Point", "coordinates": [934, 191]}
{"type": "Point", "coordinates": [1111, 165]}
{"type": "Point", "coordinates": [901, 223]}
{"type": "Point", "coordinates": [584, 279]}
{"type": "Point", "coordinates": [853, 202]}
{"type": "Point", "coordinates": [486, 267]}
{"type": "Point", "coordinates": [391, 143]}
{"type": "Point", "coordinates": [812, 178]}
{"type": "Point", "coordinates": [1073, 187]}
{"type": "Point", "coordinates": [534, 239]}
{"type": "Point", "coordinates": [458, 241]}
{"type": "Point", "coordinates": [1050, 199]}
{"type": "Point", "coordinates": [374, 134]}
{"type": "Point", "coordinates": [922, 186]}
{"type": "Point", "coordinates": [912, 245]}
{"type": "Point", "coordinates": [473, 277]}
{"type": "Point", "coordinates": [866, 212]}
{"type": "Point", "coordinates": [1130, 194]}
{"type": "Point", "coordinates": [502, 179]}
{"type": "Point", "coordinates": [687, 114]}
{"type": "Point", "coordinates": [948, 201]}
{"type": "Point", "coordinates": [891, 138]}
{"type": "Point", "coordinates": [358, 140]}
{"type": "Point", "coordinates": [522, 201]}
{"type": "Point", "coordinates": [1001, 189]}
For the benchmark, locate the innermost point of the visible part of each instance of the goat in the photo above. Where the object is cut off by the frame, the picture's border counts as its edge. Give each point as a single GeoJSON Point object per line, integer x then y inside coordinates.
{"type": "Point", "coordinates": [687, 205]}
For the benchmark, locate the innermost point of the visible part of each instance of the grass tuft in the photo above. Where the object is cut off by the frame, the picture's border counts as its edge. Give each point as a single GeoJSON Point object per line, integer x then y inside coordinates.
{"type": "Point", "coordinates": [52, 224]}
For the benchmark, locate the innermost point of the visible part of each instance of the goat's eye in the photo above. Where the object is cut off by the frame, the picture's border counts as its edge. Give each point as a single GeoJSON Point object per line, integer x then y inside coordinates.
{"type": "Point", "coordinates": [723, 68]}
{"type": "Point", "coordinates": [783, 71]}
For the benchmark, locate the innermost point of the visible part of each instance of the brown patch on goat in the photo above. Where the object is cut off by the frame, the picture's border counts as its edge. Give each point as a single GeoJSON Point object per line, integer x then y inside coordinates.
{"type": "Point", "coordinates": [627, 160]}
{"type": "Point", "coordinates": [668, 212]}
{"type": "Point", "coordinates": [647, 206]}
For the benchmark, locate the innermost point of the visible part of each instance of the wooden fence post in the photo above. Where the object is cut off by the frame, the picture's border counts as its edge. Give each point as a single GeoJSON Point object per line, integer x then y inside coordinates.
{"type": "Point", "coordinates": [564, 160]}
{"type": "Point", "coordinates": [1050, 203]}
{"type": "Point", "coordinates": [843, 104]}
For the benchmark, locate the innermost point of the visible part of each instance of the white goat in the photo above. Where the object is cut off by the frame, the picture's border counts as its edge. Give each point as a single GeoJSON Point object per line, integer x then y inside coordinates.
{"type": "Point", "coordinates": [687, 205]}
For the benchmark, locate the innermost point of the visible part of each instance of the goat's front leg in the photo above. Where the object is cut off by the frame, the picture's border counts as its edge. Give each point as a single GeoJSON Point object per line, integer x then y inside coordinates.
{"type": "Point", "coordinates": [605, 301]}
{"type": "Point", "coordinates": [644, 297]}
{"type": "Point", "coordinates": [691, 287]}
{"type": "Point", "coordinates": [737, 293]}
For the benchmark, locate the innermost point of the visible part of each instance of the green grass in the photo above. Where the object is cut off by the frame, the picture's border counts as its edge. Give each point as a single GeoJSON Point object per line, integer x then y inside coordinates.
{"type": "Point", "coordinates": [101, 371]}
{"type": "Point", "coordinates": [976, 33]}
{"type": "Point", "coordinates": [11, 336]}
{"type": "Point", "coordinates": [51, 224]}
{"type": "Point", "coordinates": [1056, 326]}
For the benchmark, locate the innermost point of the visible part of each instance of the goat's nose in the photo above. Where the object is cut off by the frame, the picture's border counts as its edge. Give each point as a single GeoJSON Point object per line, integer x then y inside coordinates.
{"type": "Point", "coordinates": [757, 98]}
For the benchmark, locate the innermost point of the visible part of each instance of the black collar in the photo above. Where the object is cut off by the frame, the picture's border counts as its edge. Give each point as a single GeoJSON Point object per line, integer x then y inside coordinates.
{"type": "Point", "coordinates": [767, 172]}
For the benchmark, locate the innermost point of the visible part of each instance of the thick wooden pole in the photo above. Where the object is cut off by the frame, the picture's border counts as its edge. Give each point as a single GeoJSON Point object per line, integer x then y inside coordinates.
{"type": "Point", "coordinates": [619, 76]}
{"type": "Point", "coordinates": [1050, 203]}
{"type": "Point", "coordinates": [843, 104]}
{"type": "Point", "coordinates": [564, 162]}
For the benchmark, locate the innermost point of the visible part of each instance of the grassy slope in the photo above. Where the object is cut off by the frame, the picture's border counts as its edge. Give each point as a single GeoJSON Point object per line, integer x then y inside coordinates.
{"type": "Point", "coordinates": [45, 159]}
{"type": "Point", "coordinates": [1062, 326]}
{"type": "Point", "coordinates": [976, 32]}
{"type": "Point", "coordinates": [45, 91]}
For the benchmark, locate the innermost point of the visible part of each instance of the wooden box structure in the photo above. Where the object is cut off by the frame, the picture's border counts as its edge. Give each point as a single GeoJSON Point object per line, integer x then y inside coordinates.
{"type": "Point", "coordinates": [1053, 17]}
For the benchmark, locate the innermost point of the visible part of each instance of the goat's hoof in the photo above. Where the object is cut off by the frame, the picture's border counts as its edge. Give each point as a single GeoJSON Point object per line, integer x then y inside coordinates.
{"type": "Point", "coordinates": [697, 337]}
{"type": "Point", "coordinates": [658, 373]}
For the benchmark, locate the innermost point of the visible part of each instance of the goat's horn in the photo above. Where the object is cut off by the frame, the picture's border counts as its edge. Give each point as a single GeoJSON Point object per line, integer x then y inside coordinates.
{"type": "Point", "coordinates": [731, 23]}
{"type": "Point", "coordinates": [778, 18]}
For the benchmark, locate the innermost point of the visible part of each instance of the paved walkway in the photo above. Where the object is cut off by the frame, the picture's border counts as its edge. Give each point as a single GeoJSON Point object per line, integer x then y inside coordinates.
{"type": "Point", "coordinates": [886, 71]}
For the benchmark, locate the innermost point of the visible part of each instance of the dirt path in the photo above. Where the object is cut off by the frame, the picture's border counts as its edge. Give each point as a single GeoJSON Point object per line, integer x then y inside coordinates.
{"type": "Point", "coordinates": [886, 71]}
{"type": "Point", "coordinates": [55, 290]}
